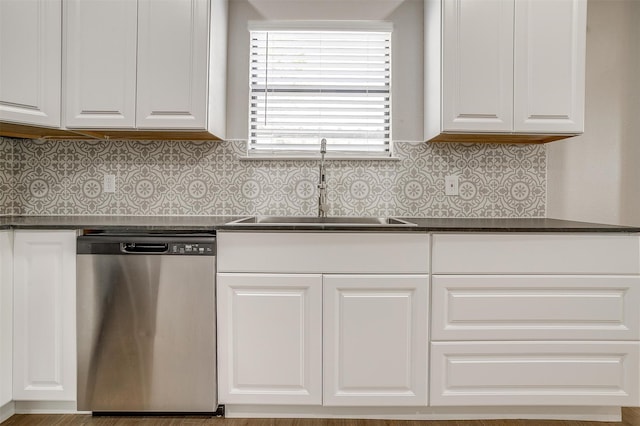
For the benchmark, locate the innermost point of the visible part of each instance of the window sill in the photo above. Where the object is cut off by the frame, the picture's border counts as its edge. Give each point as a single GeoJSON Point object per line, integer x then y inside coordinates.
{"type": "Point", "coordinates": [315, 158]}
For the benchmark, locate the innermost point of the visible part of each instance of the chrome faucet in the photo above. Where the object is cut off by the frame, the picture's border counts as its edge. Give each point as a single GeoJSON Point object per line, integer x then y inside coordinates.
{"type": "Point", "coordinates": [322, 184]}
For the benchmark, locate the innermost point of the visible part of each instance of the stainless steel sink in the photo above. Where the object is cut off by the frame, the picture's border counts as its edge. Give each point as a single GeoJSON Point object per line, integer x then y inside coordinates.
{"type": "Point", "coordinates": [320, 221]}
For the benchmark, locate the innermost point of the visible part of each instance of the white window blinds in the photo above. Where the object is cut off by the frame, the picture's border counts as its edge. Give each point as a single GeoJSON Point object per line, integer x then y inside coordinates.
{"type": "Point", "coordinates": [312, 84]}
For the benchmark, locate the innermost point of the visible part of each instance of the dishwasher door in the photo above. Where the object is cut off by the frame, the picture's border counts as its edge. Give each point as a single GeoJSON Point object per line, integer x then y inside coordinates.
{"type": "Point", "coordinates": [146, 324]}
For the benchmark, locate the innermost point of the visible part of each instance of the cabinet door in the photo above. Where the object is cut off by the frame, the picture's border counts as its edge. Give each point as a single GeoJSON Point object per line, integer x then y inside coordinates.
{"type": "Point", "coordinates": [477, 78]}
{"type": "Point", "coordinates": [550, 43]}
{"type": "Point", "coordinates": [44, 362]}
{"type": "Point", "coordinates": [375, 340]}
{"type": "Point", "coordinates": [535, 307]}
{"type": "Point", "coordinates": [30, 61]}
{"type": "Point", "coordinates": [270, 336]}
{"type": "Point", "coordinates": [535, 373]}
{"type": "Point", "coordinates": [172, 64]}
{"type": "Point", "coordinates": [6, 316]}
{"type": "Point", "coordinates": [100, 63]}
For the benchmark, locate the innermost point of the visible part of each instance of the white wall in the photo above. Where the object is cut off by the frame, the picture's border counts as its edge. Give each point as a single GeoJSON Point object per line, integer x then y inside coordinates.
{"type": "Point", "coordinates": [596, 177]}
{"type": "Point", "coordinates": [407, 51]}
{"type": "Point", "coordinates": [630, 186]}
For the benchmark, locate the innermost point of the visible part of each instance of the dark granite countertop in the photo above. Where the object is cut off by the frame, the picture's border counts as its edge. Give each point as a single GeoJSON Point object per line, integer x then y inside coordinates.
{"type": "Point", "coordinates": [451, 225]}
{"type": "Point", "coordinates": [515, 225]}
{"type": "Point", "coordinates": [118, 223]}
{"type": "Point", "coordinates": [209, 223]}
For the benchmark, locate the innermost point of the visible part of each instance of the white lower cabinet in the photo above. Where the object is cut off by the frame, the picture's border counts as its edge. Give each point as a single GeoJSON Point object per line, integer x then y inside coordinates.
{"type": "Point", "coordinates": [375, 340]}
{"type": "Point", "coordinates": [274, 328]}
{"type": "Point", "coordinates": [6, 316]}
{"type": "Point", "coordinates": [535, 319]}
{"type": "Point", "coordinates": [515, 322]}
{"type": "Point", "coordinates": [339, 335]}
{"type": "Point", "coordinates": [44, 356]}
{"type": "Point", "coordinates": [270, 338]}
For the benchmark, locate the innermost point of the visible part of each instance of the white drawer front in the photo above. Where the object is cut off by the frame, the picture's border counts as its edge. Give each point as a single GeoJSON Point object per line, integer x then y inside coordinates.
{"type": "Point", "coordinates": [536, 307]}
{"type": "Point", "coordinates": [535, 373]}
{"type": "Point", "coordinates": [323, 252]}
{"type": "Point", "coordinates": [536, 254]}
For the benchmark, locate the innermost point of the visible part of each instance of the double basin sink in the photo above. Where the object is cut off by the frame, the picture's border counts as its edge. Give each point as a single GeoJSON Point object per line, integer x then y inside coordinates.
{"type": "Point", "coordinates": [311, 221]}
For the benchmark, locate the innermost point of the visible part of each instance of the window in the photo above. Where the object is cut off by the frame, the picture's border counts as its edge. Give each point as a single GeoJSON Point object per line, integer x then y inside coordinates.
{"type": "Point", "coordinates": [314, 83]}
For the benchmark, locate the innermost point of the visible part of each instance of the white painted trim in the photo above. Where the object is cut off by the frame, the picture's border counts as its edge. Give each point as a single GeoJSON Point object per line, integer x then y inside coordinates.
{"type": "Point", "coordinates": [46, 407]}
{"type": "Point", "coordinates": [7, 410]}
{"type": "Point", "coordinates": [293, 25]}
{"type": "Point", "coordinates": [329, 158]}
{"type": "Point", "coordinates": [601, 414]}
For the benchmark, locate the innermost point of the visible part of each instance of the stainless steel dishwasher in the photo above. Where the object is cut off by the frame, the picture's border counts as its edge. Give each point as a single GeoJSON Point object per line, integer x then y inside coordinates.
{"type": "Point", "coordinates": [146, 323]}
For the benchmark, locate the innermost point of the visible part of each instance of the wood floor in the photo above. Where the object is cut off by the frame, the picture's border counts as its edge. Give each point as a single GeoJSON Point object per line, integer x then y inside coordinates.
{"type": "Point", "coordinates": [630, 417]}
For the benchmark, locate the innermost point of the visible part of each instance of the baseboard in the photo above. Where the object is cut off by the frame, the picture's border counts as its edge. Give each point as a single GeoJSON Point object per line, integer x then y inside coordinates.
{"type": "Point", "coordinates": [46, 407]}
{"type": "Point", "coordinates": [7, 410]}
{"type": "Point", "coordinates": [600, 414]}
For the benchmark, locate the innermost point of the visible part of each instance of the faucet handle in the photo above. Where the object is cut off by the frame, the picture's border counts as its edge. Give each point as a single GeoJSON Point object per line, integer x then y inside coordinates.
{"type": "Point", "coordinates": [323, 146]}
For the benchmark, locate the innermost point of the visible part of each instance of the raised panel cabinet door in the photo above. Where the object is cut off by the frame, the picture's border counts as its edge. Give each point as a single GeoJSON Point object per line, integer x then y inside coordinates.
{"type": "Point", "coordinates": [535, 373]}
{"type": "Point", "coordinates": [30, 61]}
{"type": "Point", "coordinates": [535, 307]}
{"type": "Point", "coordinates": [173, 40]}
{"type": "Point", "coordinates": [269, 339]}
{"type": "Point", "coordinates": [100, 63]}
{"type": "Point", "coordinates": [375, 340]}
{"type": "Point", "coordinates": [6, 316]}
{"type": "Point", "coordinates": [44, 360]}
{"type": "Point", "coordinates": [549, 81]}
{"type": "Point", "coordinates": [477, 68]}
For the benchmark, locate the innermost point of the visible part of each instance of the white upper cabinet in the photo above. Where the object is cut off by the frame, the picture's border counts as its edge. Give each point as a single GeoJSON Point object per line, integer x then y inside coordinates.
{"type": "Point", "coordinates": [172, 64]}
{"type": "Point", "coordinates": [549, 65]}
{"type": "Point", "coordinates": [30, 61]}
{"type": "Point", "coordinates": [146, 65]}
{"type": "Point", "coordinates": [513, 69]}
{"type": "Point", "coordinates": [478, 63]}
{"type": "Point", "coordinates": [100, 63]}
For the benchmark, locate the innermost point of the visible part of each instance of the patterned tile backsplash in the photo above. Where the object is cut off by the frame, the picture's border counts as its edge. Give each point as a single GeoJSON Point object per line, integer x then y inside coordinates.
{"type": "Point", "coordinates": [7, 182]}
{"type": "Point", "coordinates": [48, 177]}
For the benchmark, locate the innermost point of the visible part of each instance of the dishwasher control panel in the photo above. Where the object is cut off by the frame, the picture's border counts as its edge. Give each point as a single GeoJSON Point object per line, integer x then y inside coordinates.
{"type": "Point", "coordinates": [191, 248]}
{"type": "Point", "coordinates": [152, 244]}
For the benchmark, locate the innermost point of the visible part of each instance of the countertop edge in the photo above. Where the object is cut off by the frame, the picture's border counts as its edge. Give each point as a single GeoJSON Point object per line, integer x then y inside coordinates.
{"type": "Point", "coordinates": [221, 223]}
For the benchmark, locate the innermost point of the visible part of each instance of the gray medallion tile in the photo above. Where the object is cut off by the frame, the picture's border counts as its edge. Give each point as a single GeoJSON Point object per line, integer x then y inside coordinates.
{"type": "Point", "coordinates": [144, 189]}
{"type": "Point", "coordinates": [7, 176]}
{"type": "Point", "coordinates": [204, 178]}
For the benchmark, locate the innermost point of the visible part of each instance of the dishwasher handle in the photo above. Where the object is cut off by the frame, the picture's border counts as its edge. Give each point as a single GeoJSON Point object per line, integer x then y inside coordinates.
{"type": "Point", "coordinates": [144, 247]}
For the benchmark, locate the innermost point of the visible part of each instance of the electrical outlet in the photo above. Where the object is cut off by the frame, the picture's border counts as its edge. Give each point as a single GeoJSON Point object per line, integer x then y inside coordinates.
{"type": "Point", "coordinates": [451, 185]}
{"type": "Point", "coordinates": [109, 184]}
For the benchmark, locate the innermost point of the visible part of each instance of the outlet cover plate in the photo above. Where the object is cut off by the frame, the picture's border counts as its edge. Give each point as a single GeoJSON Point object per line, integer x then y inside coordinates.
{"type": "Point", "coordinates": [451, 185]}
{"type": "Point", "coordinates": [109, 184]}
